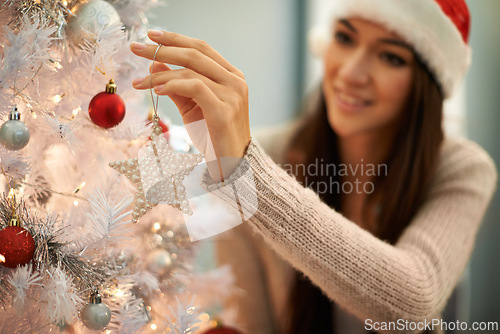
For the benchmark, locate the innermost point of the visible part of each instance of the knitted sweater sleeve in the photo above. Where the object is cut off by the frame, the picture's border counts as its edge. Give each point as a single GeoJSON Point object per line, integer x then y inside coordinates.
{"type": "Point", "coordinates": [370, 278]}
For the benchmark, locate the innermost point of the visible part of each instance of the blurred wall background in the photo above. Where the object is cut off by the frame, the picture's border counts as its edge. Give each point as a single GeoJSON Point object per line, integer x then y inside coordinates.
{"type": "Point", "coordinates": [259, 37]}
{"type": "Point", "coordinates": [266, 40]}
{"type": "Point", "coordinates": [483, 121]}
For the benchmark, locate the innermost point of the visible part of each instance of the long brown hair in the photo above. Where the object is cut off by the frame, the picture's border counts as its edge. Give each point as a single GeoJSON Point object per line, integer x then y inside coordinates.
{"type": "Point", "coordinates": [411, 164]}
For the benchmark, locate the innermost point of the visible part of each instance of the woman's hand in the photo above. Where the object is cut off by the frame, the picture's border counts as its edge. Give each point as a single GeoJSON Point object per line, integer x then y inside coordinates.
{"type": "Point", "coordinates": [207, 87]}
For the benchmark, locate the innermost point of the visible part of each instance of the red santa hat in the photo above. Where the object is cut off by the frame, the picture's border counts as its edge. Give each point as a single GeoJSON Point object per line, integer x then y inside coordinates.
{"type": "Point", "coordinates": [438, 30]}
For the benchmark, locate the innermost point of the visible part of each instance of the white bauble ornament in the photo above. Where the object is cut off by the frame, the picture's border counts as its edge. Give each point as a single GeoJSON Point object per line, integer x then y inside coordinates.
{"type": "Point", "coordinates": [14, 134]}
{"type": "Point", "coordinates": [158, 261]}
{"type": "Point", "coordinates": [89, 18]}
{"type": "Point", "coordinates": [95, 315]}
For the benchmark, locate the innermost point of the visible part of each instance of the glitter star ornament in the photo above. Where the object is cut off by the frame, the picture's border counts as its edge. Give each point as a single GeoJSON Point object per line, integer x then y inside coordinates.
{"type": "Point", "coordinates": [158, 172]}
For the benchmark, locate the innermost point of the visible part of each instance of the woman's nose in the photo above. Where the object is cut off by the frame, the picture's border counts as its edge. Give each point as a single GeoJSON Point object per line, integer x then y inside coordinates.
{"type": "Point", "coordinates": [355, 69]}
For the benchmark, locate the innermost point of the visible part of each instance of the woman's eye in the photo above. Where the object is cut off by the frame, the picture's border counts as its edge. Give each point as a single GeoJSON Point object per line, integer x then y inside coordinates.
{"type": "Point", "coordinates": [392, 59]}
{"type": "Point", "coordinates": [342, 38]}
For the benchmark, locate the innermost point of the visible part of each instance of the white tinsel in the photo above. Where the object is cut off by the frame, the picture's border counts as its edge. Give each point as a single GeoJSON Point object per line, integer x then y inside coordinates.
{"type": "Point", "coordinates": [103, 52]}
{"type": "Point", "coordinates": [110, 222]}
{"type": "Point", "coordinates": [61, 131]}
{"type": "Point", "coordinates": [13, 164]}
{"type": "Point", "coordinates": [130, 131]}
{"type": "Point", "coordinates": [38, 190]}
{"type": "Point", "coordinates": [186, 317]}
{"type": "Point", "coordinates": [129, 313]}
{"type": "Point", "coordinates": [61, 299]}
{"type": "Point", "coordinates": [40, 33]}
{"type": "Point", "coordinates": [145, 281]}
{"type": "Point", "coordinates": [21, 280]}
{"type": "Point", "coordinates": [27, 51]}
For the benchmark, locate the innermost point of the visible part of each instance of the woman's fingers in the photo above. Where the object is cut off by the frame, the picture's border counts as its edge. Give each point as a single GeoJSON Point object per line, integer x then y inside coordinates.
{"type": "Point", "coordinates": [194, 89]}
{"type": "Point", "coordinates": [161, 78]}
{"type": "Point", "coordinates": [173, 39]}
{"type": "Point", "coordinates": [158, 67]}
{"type": "Point", "coordinates": [185, 57]}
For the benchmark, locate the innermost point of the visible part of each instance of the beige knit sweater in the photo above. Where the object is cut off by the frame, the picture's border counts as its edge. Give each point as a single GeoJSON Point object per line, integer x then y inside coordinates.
{"type": "Point", "coordinates": [364, 275]}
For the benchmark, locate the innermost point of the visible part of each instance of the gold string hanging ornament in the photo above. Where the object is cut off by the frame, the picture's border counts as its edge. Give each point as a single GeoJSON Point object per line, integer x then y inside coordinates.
{"type": "Point", "coordinates": [158, 171]}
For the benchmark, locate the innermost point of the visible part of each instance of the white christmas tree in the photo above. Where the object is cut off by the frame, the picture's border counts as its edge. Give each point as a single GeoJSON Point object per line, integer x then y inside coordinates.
{"type": "Point", "coordinates": [71, 258]}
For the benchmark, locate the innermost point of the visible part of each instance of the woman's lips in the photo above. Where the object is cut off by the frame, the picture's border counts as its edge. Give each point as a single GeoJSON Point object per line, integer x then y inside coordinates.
{"type": "Point", "coordinates": [350, 102]}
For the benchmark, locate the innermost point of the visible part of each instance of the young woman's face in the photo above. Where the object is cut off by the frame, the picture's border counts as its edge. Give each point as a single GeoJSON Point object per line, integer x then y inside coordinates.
{"type": "Point", "coordinates": [368, 75]}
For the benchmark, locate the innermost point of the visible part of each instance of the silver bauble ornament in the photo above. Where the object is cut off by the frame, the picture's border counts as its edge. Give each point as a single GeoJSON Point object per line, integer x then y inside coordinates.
{"type": "Point", "coordinates": [89, 18]}
{"type": "Point", "coordinates": [158, 261]}
{"type": "Point", "coordinates": [95, 315]}
{"type": "Point", "coordinates": [14, 134]}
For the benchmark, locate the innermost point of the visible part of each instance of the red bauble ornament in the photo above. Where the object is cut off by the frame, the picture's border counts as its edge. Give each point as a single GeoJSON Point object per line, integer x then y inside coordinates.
{"type": "Point", "coordinates": [222, 330]}
{"type": "Point", "coordinates": [17, 246]}
{"type": "Point", "coordinates": [107, 109]}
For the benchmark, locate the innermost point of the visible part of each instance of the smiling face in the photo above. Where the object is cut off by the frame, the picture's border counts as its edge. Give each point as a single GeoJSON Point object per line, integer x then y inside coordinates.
{"type": "Point", "coordinates": [368, 76]}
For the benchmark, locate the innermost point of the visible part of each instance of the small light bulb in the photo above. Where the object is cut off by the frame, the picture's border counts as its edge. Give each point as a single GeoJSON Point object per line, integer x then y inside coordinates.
{"type": "Point", "coordinates": [157, 226]}
{"type": "Point", "coordinates": [79, 187]}
{"type": "Point", "coordinates": [75, 203]}
{"type": "Point", "coordinates": [2, 258]}
{"type": "Point", "coordinates": [55, 62]}
{"type": "Point", "coordinates": [57, 98]}
{"type": "Point", "coordinates": [153, 327]}
{"type": "Point", "coordinates": [75, 112]}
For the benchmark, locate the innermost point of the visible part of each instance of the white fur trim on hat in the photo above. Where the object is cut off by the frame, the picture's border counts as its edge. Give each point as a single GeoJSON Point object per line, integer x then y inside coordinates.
{"type": "Point", "coordinates": [421, 23]}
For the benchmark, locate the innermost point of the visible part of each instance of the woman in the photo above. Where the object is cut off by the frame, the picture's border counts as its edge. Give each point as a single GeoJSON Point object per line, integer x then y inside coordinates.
{"type": "Point", "coordinates": [348, 251]}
